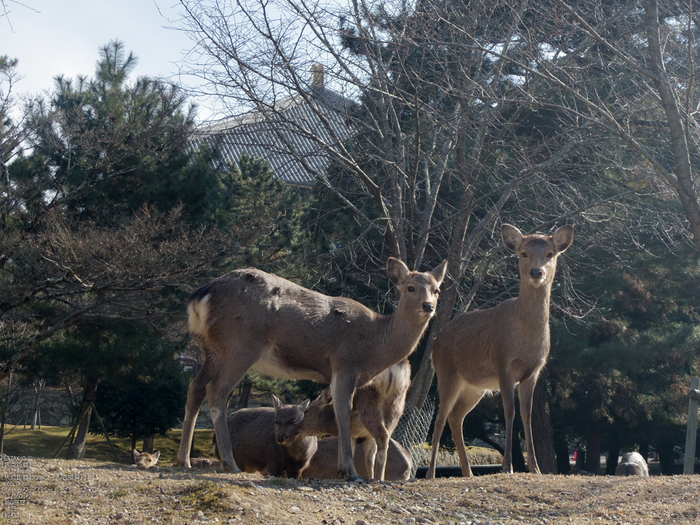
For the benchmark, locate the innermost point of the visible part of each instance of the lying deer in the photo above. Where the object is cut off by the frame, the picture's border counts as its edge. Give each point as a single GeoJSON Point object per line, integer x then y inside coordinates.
{"type": "Point", "coordinates": [632, 464]}
{"type": "Point", "coordinates": [399, 463]}
{"type": "Point", "coordinates": [249, 319]}
{"type": "Point", "coordinates": [498, 348]}
{"type": "Point", "coordinates": [145, 459]}
{"type": "Point", "coordinates": [377, 408]}
{"type": "Point", "coordinates": [265, 439]}
{"type": "Point", "coordinates": [205, 463]}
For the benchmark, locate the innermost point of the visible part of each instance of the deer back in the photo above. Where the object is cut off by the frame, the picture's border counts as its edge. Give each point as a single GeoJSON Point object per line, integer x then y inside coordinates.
{"type": "Point", "coordinates": [286, 330]}
{"type": "Point", "coordinates": [632, 464]}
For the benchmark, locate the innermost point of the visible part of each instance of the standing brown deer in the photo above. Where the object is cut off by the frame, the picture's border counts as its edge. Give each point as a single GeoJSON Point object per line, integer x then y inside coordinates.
{"type": "Point", "coordinates": [252, 320]}
{"type": "Point", "coordinates": [377, 408]}
{"type": "Point", "coordinates": [497, 348]}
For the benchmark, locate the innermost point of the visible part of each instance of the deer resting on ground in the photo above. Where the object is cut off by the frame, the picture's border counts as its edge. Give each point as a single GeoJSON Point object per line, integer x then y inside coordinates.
{"type": "Point", "coordinates": [399, 463]}
{"type": "Point", "coordinates": [632, 464]}
{"type": "Point", "coordinates": [377, 408]}
{"type": "Point", "coordinates": [499, 348]}
{"type": "Point", "coordinates": [265, 439]}
{"type": "Point", "coordinates": [252, 320]}
{"type": "Point", "coordinates": [145, 459]}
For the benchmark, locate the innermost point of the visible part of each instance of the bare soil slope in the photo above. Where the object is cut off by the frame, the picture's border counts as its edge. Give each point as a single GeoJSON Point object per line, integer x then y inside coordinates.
{"type": "Point", "coordinates": [57, 491]}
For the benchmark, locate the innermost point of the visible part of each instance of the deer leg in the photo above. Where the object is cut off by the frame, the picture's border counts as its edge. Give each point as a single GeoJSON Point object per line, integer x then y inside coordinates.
{"type": "Point", "coordinates": [218, 390]}
{"type": "Point", "coordinates": [447, 402]}
{"type": "Point", "coordinates": [507, 386]}
{"type": "Point", "coordinates": [195, 397]}
{"type": "Point", "coordinates": [527, 390]}
{"type": "Point", "coordinates": [464, 405]}
{"type": "Point", "coordinates": [370, 449]}
{"type": "Point", "coordinates": [343, 391]}
{"type": "Point", "coordinates": [382, 452]}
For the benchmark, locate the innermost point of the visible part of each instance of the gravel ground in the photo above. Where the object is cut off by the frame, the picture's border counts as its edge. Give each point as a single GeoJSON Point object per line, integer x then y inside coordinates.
{"type": "Point", "coordinates": [37, 491]}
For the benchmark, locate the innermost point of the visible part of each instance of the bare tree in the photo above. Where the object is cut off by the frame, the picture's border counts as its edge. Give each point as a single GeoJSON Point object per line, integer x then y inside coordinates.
{"type": "Point", "coordinates": [449, 134]}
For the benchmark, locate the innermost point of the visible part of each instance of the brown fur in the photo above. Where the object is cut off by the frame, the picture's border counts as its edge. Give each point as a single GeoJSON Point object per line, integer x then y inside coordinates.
{"type": "Point", "coordinates": [205, 463]}
{"type": "Point", "coordinates": [632, 464]}
{"type": "Point", "coordinates": [323, 465]}
{"type": "Point", "coordinates": [249, 319]}
{"type": "Point", "coordinates": [377, 408]}
{"type": "Point", "coordinates": [265, 439]}
{"type": "Point", "coordinates": [498, 348]}
{"type": "Point", "coordinates": [145, 459]}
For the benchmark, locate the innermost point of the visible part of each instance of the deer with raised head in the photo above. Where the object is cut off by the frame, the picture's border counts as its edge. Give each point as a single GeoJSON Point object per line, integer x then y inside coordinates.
{"type": "Point", "coordinates": [499, 348]}
{"type": "Point", "coordinates": [252, 320]}
{"type": "Point", "coordinates": [377, 408]}
{"type": "Point", "coordinates": [265, 439]}
{"type": "Point", "coordinates": [632, 464]}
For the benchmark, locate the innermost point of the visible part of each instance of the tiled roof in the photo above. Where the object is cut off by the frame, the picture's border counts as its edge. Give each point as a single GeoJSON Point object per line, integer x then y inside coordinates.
{"type": "Point", "coordinates": [294, 136]}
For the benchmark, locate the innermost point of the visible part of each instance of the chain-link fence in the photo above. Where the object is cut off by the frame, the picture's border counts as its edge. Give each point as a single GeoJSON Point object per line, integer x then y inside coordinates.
{"type": "Point", "coordinates": [412, 430]}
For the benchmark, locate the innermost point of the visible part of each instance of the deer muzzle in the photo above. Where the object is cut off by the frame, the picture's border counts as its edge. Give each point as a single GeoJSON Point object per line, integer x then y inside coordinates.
{"type": "Point", "coordinates": [536, 273]}
{"type": "Point", "coordinates": [428, 307]}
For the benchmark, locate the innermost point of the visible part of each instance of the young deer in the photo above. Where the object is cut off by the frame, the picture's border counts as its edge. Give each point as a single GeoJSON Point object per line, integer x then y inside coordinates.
{"type": "Point", "coordinates": [265, 439]}
{"type": "Point", "coordinates": [399, 463]}
{"type": "Point", "coordinates": [250, 319]}
{"type": "Point", "coordinates": [377, 408]}
{"type": "Point", "coordinates": [145, 459]}
{"type": "Point", "coordinates": [498, 348]}
{"type": "Point", "coordinates": [632, 464]}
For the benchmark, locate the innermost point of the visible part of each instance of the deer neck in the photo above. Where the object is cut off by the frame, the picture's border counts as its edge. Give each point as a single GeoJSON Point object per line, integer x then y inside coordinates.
{"type": "Point", "coordinates": [532, 304]}
{"type": "Point", "coordinates": [401, 336]}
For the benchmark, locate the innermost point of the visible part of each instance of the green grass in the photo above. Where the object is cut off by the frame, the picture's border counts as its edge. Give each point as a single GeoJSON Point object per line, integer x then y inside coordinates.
{"type": "Point", "coordinates": [45, 442]}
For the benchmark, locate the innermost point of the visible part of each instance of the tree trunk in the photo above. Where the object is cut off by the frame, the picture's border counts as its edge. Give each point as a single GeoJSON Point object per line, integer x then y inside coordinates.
{"type": "Point", "coordinates": [77, 449]}
{"type": "Point", "coordinates": [148, 443]}
{"type": "Point", "coordinates": [561, 447]}
{"type": "Point", "coordinates": [38, 389]}
{"type": "Point", "coordinates": [683, 184]}
{"type": "Point", "coordinates": [423, 379]}
{"type": "Point", "coordinates": [612, 461]}
{"type": "Point", "coordinates": [542, 430]}
{"type": "Point", "coordinates": [519, 464]}
{"type": "Point", "coordinates": [246, 388]}
{"type": "Point", "coordinates": [593, 448]}
{"type": "Point", "coordinates": [666, 456]}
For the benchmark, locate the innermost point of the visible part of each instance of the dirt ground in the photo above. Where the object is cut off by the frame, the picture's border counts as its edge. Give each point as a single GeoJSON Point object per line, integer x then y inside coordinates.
{"type": "Point", "coordinates": [37, 491]}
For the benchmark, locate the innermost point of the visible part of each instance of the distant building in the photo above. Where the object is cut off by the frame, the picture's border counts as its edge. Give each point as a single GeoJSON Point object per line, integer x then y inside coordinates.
{"type": "Point", "coordinates": [293, 135]}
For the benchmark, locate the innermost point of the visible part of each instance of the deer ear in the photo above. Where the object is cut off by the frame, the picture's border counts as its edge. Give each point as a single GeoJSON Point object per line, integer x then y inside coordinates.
{"type": "Point", "coordinates": [156, 455]}
{"type": "Point", "coordinates": [275, 401]}
{"type": "Point", "coordinates": [511, 237]}
{"type": "Point", "coordinates": [440, 271]}
{"type": "Point", "coordinates": [563, 237]}
{"type": "Point", "coordinates": [397, 270]}
{"type": "Point", "coordinates": [135, 453]}
{"type": "Point", "coordinates": [304, 404]}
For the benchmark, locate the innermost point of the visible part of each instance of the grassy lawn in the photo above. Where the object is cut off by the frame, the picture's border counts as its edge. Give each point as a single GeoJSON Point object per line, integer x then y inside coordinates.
{"type": "Point", "coordinates": [45, 442]}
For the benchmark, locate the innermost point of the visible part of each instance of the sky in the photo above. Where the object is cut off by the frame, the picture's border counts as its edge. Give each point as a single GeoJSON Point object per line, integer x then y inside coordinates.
{"type": "Point", "coordinates": [63, 37]}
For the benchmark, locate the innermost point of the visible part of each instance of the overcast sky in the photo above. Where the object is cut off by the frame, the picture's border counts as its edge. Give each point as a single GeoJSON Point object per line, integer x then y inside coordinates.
{"type": "Point", "coordinates": [54, 37]}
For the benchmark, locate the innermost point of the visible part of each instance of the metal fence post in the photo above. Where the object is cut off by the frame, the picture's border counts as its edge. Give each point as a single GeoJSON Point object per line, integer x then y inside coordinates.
{"type": "Point", "coordinates": [692, 431]}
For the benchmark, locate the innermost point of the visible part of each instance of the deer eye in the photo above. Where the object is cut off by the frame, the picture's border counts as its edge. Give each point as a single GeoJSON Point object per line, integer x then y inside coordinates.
{"type": "Point", "coordinates": [524, 255]}
{"type": "Point", "coordinates": [550, 255]}
{"type": "Point", "coordinates": [411, 289]}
